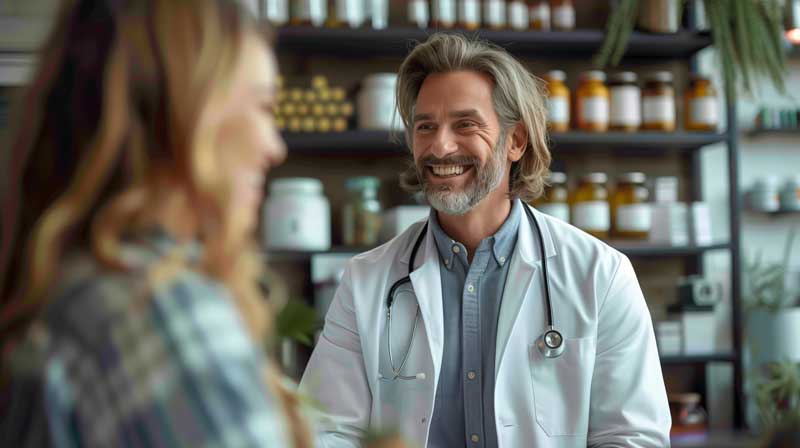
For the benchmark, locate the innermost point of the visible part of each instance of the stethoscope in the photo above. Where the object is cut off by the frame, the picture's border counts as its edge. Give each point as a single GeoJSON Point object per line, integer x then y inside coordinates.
{"type": "Point", "coordinates": [550, 343]}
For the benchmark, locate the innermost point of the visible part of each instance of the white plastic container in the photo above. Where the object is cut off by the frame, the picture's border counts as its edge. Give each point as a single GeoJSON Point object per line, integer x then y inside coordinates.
{"type": "Point", "coordinates": [297, 216]}
{"type": "Point", "coordinates": [376, 103]}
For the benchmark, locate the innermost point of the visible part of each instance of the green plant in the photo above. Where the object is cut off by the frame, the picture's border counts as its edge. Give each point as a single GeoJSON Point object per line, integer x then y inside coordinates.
{"type": "Point", "coordinates": [297, 321]}
{"type": "Point", "coordinates": [777, 393]}
{"type": "Point", "coordinates": [748, 36]}
{"type": "Point", "coordinates": [764, 284]}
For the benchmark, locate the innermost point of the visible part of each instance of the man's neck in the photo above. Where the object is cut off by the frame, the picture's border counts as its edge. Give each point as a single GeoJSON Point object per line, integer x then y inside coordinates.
{"type": "Point", "coordinates": [479, 223]}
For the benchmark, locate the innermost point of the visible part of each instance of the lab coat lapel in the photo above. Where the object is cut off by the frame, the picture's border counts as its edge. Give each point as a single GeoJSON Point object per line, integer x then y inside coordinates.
{"type": "Point", "coordinates": [428, 289]}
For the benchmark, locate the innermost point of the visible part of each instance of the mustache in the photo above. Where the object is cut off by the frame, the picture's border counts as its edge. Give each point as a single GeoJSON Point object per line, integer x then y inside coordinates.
{"type": "Point", "coordinates": [451, 160]}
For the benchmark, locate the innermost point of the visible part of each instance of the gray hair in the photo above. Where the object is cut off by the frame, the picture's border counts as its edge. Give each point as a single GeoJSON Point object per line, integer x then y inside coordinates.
{"type": "Point", "coordinates": [518, 96]}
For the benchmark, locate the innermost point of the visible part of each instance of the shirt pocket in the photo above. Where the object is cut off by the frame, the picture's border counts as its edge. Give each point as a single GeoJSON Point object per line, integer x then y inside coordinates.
{"type": "Point", "coordinates": [562, 387]}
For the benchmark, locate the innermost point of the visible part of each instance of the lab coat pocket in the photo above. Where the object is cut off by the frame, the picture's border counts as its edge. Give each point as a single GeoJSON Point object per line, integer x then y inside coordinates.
{"type": "Point", "coordinates": [561, 387]}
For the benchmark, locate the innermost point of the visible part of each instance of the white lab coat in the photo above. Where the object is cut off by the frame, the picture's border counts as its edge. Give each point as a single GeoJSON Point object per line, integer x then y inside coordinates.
{"type": "Point", "coordinates": [606, 389]}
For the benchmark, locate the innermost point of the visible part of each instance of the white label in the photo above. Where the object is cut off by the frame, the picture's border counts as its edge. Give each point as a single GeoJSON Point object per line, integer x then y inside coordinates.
{"type": "Point", "coordinates": [444, 12]}
{"type": "Point", "coordinates": [379, 13]}
{"type": "Point", "coordinates": [560, 211]}
{"type": "Point", "coordinates": [625, 106]}
{"type": "Point", "coordinates": [595, 110]}
{"type": "Point", "coordinates": [591, 215]}
{"type": "Point", "coordinates": [704, 111]}
{"type": "Point", "coordinates": [495, 13]}
{"type": "Point", "coordinates": [469, 12]}
{"type": "Point", "coordinates": [633, 218]}
{"type": "Point", "coordinates": [564, 17]}
{"type": "Point", "coordinates": [277, 11]}
{"type": "Point", "coordinates": [350, 12]}
{"type": "Point", "coordinates": [541, 13]}
{"type": "Point", "coordinates": [558, 110]}
{"type": "Point", "coordinates": [314, 11]}
{"type": "Point", "coordinates": [518, 15]}
{"type": "Point", "coordinates": [418, 13]}
{"type": "Point", "coordinates": [658, 109]}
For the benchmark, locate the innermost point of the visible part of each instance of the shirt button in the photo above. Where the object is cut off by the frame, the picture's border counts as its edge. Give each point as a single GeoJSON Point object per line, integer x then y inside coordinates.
{"type": "Point", "coordinates": [502, 260]}
{"type": "Point", "coordinates": [470, 288]}
{"type": "Point", "coordinates": [456, 249]}
{"type": "Point", "coordinates": [475, 438]}
{"type": "Point", "coordinates": [471, 375]}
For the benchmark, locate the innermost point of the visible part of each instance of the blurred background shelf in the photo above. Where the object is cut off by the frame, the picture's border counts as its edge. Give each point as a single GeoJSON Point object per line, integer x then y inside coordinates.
{"type": "Point", "coordinates": [576, 44]}
{"type": "Point", "coordinates": [384, 143]}
{"type": "Point", "coordinates": [680, 360]}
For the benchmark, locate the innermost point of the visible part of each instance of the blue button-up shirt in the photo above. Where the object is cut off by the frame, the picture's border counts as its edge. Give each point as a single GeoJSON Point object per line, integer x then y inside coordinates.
{"type": "Point", "coordinates": [463, 414]}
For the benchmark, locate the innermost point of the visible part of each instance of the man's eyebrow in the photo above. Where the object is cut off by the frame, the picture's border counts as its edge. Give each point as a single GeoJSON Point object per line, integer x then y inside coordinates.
{"type": "Point", "coordinates": [455, 114]}
{"type": "Point", "coordinates": [420, 117]}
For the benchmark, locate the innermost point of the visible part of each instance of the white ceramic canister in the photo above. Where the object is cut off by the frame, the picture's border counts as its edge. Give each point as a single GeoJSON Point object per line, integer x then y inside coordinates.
{"type": "Point", "coordinates": [376, 103]}
{"type": "Point", "coordinates": [297, 216]}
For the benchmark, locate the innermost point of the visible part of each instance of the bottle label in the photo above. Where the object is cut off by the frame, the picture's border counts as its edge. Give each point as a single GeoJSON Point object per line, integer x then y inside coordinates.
{"type": "Point", "coordinates": [350, 12]}
{"type": "Point", "coordinates": [277, 11]}
{"type": "Point", "coordinates": [591, 215]}
{"type": "Point", "coordinates": [564, 17]}
{"type": "Point", "coordinates": [495, 13]}
{"type": "Point", "coordinates": [633, 218]}
{"type": "Point", "coordinates": [626, 106]}
{"type": "Point", "coordinates": [314, 11]}
{"type": "Point", "coordinates": [469, 12]}
{"type": "Point", "coordinates": [558, 110]}
{"type": "Point", "coordinates": [560, 211]}
{"type": "Point", "coordinates": [704, 111]}
{"type": "Point", "coordinates": [541, 13]}
{"type": "Point", "coordinates": [418, 13]}
{"type": "Point", "coordinates": [658, 109]}
{"type": "Point", "coordinates": [595, 109]}
{"type": "Point", "coordinates": [444, 12]}
{"type": "Point", "coordinates": [518, 15]}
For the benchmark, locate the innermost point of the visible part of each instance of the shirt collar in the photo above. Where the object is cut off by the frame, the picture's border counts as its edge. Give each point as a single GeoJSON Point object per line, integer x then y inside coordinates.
{"type": "Point", "coordinates": [502, 242]}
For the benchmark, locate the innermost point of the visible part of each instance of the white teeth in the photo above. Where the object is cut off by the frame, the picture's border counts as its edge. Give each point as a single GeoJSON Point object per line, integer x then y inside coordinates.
{"type": "Point", "coordinates": [447, 170]}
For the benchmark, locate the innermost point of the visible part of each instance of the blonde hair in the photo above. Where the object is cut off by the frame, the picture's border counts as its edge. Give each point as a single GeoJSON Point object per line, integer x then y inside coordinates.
{"type": "Point", "coordinates": [517, 96]}
{"type": "Point", "coordinates": [113, 119]}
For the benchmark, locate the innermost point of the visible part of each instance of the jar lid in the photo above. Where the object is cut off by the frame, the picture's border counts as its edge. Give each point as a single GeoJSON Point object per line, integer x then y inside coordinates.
{"type": "Point", "coordinates": [302, 185]}
{"type": "Point", "coordinates": [595, 178]}
{"type": "Point", "coordinates": [557, 75]}
{"type": "Point", "coordinates": [557, 177]}
{"type": "Point", "coordinates": [381, 80]}
{"type": "Point", "coordinates": [662, 76]}
{"type": "Point", "coordinates": [593, 75]}
{"type": "Point", "coordinates": [626, 77]}
{"type": "Point", "coordinates": [632, 178]}
{"type": "Point", "coordinates": [362, 183]}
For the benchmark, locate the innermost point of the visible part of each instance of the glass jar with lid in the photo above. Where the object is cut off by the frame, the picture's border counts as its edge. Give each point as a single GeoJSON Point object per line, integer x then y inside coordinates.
{"type": "Point", "coordinates": [309, 12]}
{"type": "Point", "coordinates": [418, 13]}
{"type": "Point", "coordinates": [555, 200]}
{"type": "Point", "coordinates": [469, 14]}
{"type": "Point", "coordinates": [518, 15]}
{"type": "Point", "coordinates": [591, 99]}
{"type": "Point", "coordinates": [443, 13]}
{"type": "Point", "coordinates": [361, 217]}
{"type": "Point", "coordinates": [701, 109]}
{"type": "Point", "coordinates": [346, 13]}
{"type": "Point", "coordinates": [563, 15]}
{"type": "Point", "coordinates": [557, 101]}
{"type": "Point", "coordinates": [630, 210]}
{"type": "Point", "coordinates": [626, 102]}
{"type": "Point", "coordinates": [590, 210]}
{"type": "Point", "coordinates": [658, 102]}
{"type": "Point", "coordinates": [494, 14]}
{"type": "Point", "coordinates": [539, 15]}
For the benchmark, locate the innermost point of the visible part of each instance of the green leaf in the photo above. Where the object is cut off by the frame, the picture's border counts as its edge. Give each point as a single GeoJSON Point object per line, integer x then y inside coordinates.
{"type": "Point", "coordinates": [298, 321]}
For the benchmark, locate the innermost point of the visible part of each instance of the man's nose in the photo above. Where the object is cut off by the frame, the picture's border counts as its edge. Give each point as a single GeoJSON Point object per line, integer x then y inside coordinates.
{"type": "Point", "coordinates": [444, 143]}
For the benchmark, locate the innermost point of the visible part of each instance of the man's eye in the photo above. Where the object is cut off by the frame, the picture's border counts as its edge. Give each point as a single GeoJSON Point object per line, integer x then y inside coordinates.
{"type": "Point", "coordinates": [466, 124]}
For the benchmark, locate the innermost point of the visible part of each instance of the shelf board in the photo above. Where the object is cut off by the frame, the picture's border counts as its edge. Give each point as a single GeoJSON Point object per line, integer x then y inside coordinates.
{"type": "Point", "coordinates": [630, 249]}
{"type": "Point", "coordinates": [755, 133]}
{"type": "Point", "coordinates": [397, 41]}
{"type": "Point", "coordinates": [697, 359]}
{"type": "Point", "coordinates": [382, 143]}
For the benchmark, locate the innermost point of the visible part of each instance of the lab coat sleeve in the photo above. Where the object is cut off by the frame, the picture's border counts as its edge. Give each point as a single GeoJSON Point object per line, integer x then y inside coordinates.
{"type": "Point", "coordinates": [628, 400]}
{"type": "Point", "coordinates": [335, 378]}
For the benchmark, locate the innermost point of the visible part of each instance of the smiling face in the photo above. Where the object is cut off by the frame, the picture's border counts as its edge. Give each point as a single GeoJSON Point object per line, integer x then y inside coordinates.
{"type": "Point", "coordinates": [459, 147]}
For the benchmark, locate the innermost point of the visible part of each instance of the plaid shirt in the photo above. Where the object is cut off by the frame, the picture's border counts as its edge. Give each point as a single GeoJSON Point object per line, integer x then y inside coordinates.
{"type": "Point", "coordinates": [156, 357]}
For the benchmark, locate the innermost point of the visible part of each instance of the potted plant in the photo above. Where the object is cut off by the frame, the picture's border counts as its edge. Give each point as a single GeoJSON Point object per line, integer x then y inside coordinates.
{"type": "Point", "coordinates": [777, 393]}
{"type": "Point", "coordinates": [748, 36]}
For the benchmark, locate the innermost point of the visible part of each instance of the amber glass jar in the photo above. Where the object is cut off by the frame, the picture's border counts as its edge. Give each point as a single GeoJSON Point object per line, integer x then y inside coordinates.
{"type": "Point", "coordinates": [443, 13]}
{"type": "Point", "coordinates": [469, 14]}
{"type": "Point", "coordinates": [701, 110]}
{"type": "Point", "coordinates": [591, 101]}
{"type": "Point", "coordinates": [658, 103]}
{"type": "Point", "coordinates": [630, 211]}
{"type": "Point", "coordinates": [562, 15]}
{"type": "Point", "coordinates": [555, 200]}
{"type": "Point", "coordinates": [590, 210]}
{"type": "Point", "coordinates": [539, 15]}
{"type": "Point", "coordinates": [557, 101]}
{"type": "Point", "coordinates": [626, 102]}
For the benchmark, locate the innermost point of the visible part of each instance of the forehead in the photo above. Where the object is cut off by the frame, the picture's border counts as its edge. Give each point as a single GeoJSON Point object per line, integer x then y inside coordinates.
{"type": "Point", "coordinates": [455, 90]}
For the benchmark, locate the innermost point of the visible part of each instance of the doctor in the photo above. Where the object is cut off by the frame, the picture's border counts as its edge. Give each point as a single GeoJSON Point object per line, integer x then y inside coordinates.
{"type": "Point", "coordinates": [512, 328]}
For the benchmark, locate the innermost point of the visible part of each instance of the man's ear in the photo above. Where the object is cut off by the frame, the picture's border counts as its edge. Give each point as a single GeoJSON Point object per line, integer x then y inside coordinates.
{"type": "Point", "coordinates": [518, 142]}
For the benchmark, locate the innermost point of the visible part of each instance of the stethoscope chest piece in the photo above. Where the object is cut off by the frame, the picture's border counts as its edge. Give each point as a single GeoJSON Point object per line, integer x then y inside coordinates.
{"type": "Point", "coordinates": [551, 343]}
